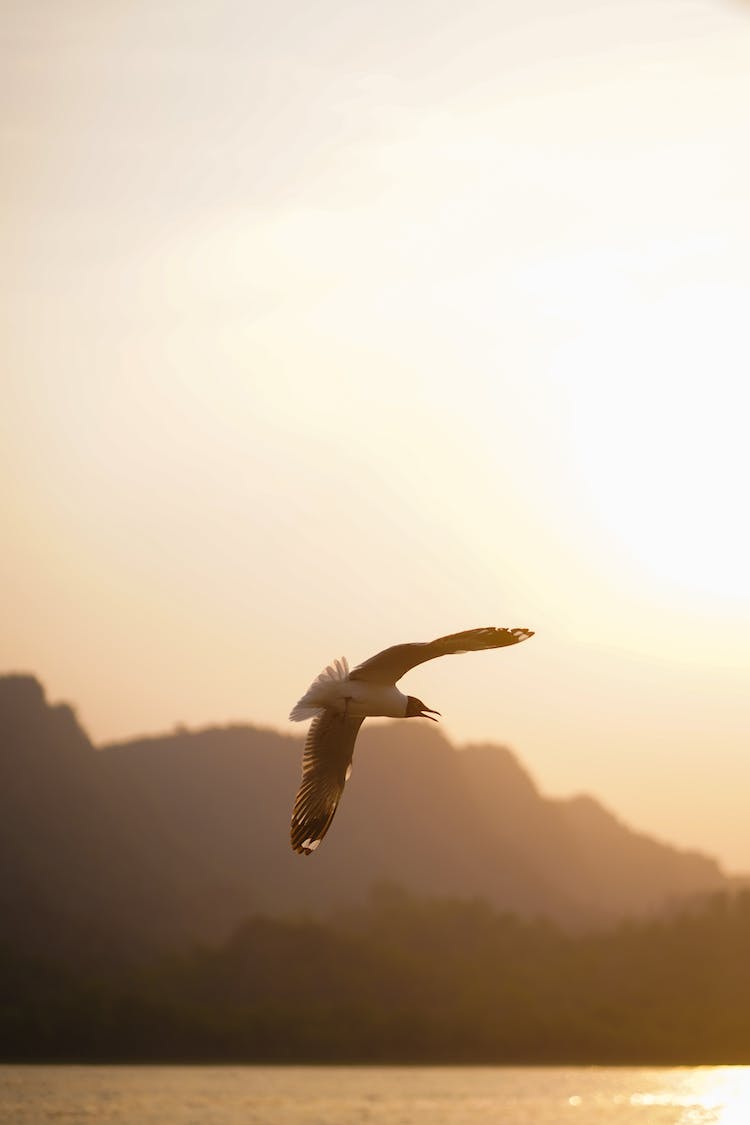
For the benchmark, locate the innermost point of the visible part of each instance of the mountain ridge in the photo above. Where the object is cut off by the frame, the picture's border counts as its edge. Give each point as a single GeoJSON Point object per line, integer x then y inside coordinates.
{"type": "Point", "coordinates": [182, 835]}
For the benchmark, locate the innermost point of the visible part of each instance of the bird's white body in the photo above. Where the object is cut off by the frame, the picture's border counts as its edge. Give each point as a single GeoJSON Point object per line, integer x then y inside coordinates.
{"type": "Point", "coordinates": [333, 690]}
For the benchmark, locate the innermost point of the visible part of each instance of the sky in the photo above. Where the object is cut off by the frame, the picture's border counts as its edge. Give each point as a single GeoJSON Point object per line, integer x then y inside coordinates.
{"type": "Point", "coordinates": [328, 326]}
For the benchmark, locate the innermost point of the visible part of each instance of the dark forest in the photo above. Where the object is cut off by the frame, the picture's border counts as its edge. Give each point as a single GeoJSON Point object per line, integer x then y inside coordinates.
{"type": "Point", "coordinates": [403, 980]}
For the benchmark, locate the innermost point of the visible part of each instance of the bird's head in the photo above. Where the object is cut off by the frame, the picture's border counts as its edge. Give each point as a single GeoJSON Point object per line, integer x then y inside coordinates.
{"type": "Point", "coordinates": [416, 709]}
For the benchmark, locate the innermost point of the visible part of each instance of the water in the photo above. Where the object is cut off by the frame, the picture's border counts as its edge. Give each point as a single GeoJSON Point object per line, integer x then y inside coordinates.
{"type": "Point", "coordinates": [259, 1095]}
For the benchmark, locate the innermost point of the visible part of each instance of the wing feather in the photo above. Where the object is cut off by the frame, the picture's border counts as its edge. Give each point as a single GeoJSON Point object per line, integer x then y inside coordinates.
{"type": "Point", "coordinates": [391, 664]}
{"type": "Point", "coordinates": [326, 765]}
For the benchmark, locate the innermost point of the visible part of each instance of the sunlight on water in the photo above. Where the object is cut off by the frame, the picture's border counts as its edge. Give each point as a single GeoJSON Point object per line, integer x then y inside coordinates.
{"type": "Point", "coordinates": [720, 1095]}
{"type": "Point", "coordinates": [691, 1096]}
{"type": "Point", "coordinates": [374, 1095]}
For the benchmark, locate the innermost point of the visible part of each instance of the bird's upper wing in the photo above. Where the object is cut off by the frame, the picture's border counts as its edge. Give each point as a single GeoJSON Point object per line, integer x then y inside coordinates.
{"type": "Point", "coordinates": [326, 765]}
{"type": "Point", "coordinates": [388, 666]}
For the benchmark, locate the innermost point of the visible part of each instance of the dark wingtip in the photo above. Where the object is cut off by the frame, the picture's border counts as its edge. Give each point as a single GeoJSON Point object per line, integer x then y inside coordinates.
{"type": "Point", "coordinates": [304, 838]}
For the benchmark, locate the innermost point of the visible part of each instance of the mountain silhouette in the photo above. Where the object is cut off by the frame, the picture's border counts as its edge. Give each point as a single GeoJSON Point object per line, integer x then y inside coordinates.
{"type": "Point", "coordinates": [181, 836]}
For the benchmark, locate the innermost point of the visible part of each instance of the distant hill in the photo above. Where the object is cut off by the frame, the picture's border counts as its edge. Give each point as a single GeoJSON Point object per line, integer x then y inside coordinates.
{"type": "Point", "coordinates": [183, 835]}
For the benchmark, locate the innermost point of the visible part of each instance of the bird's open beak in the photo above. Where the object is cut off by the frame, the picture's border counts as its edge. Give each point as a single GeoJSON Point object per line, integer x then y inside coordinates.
{"type": "Point", "coordinates": [423, 714]}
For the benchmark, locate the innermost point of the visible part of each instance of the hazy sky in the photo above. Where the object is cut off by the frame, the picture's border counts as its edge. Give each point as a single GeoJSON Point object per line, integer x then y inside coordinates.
{"type": "Point", "coordinates": [332, 325]}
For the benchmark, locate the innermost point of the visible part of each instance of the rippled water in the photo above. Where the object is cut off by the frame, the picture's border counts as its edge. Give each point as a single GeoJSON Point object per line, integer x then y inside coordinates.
{"type": "Point", "coordinates": [259, 1095]}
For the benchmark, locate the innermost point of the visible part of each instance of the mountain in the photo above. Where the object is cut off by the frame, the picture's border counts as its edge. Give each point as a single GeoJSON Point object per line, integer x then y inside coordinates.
{"type": "Point", "coordinates": [181, 836]}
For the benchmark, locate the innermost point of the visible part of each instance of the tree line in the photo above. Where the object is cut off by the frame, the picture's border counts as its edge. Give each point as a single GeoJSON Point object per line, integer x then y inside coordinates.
{"type": "Point", "coordinates": [403, 979]}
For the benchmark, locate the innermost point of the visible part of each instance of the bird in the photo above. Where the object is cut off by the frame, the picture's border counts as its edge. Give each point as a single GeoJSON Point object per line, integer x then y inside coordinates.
{"type": "Point", "coordinates": [339, 700]}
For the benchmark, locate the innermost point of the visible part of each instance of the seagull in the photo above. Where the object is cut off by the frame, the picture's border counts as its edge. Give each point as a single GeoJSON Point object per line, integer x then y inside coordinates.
{"type": "Point", "coordinates": [339, 701]}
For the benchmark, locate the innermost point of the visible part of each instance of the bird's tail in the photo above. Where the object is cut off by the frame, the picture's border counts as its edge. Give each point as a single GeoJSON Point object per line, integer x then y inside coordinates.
{"type": "Point", "coordinates": [317, 696]}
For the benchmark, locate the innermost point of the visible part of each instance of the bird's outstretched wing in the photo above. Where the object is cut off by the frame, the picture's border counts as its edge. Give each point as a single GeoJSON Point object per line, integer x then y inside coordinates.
{"type": "Point", "coordinates": [326, 765]}
{"type": "Point", "coordinates": [391, 664]}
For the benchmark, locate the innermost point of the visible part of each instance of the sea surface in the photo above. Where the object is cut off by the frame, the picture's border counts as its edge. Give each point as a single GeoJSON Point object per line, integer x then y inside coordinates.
{"type": "Point", "coordinates": [329, 1095]}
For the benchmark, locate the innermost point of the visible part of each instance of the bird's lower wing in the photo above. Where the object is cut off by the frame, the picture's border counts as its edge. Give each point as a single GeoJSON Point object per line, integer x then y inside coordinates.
{"type": "Point", "coordinates": [326, 765]}
{"type": "Point", "coordinates": [391, 664]}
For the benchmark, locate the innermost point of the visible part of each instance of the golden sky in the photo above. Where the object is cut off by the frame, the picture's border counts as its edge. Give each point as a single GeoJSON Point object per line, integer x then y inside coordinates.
{"type": "Point", "coordinates": [328, 326]}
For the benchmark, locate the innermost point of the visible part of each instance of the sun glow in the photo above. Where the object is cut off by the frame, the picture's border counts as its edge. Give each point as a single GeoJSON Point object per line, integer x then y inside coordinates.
{"type": "Point", "coordinates": [659, 421]}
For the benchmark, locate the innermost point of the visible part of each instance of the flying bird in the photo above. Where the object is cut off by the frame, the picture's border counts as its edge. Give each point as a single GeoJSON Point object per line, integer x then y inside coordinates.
{"type": "Point", "coordinates": [339, 701]}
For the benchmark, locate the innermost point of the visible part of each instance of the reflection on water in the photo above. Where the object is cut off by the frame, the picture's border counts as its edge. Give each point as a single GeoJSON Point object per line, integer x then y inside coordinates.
{"type": "Point", "coordinates": [374, 1095]}
{"type": "Point", "coordinates": [711, 1094]}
